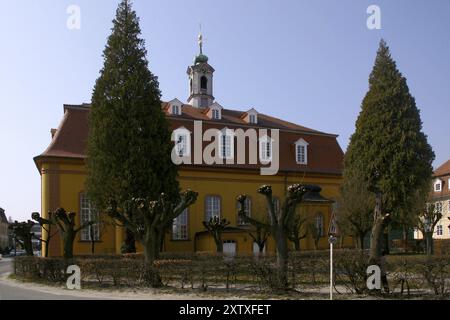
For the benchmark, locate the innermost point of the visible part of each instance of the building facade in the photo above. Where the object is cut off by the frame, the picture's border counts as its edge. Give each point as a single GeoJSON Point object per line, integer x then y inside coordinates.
{"type": "Point", "coordinates": [304, 156]}
{"type": "Point", "coordinates": [4, 233]}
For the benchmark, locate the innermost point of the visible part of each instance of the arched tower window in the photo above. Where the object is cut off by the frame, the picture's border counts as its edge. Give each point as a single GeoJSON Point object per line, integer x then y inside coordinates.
{"type": "Point", "coordinates": [203, 83]}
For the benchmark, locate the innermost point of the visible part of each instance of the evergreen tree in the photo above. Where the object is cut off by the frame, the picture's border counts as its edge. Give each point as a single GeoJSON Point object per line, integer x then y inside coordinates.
{"type": "Point", "coordinates": [129, 143]}
{"type": "Point", "coordinates": [388, 146]}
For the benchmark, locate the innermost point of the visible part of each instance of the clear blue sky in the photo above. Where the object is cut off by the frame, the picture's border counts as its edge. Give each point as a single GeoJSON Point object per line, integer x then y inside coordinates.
{"type": "Point", "coordinates": [304, 61]}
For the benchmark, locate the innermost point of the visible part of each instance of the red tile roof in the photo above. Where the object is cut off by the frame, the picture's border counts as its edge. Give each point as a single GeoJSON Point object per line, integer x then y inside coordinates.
{"type": "Point", "coordinates": [443, 170]}
{"type": "Point", "coordinates": [324, 152]}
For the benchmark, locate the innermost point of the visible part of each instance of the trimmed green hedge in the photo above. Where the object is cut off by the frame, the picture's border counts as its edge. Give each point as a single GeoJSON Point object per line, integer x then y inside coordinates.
{"type": "Point", "coordinates": [203, 271]}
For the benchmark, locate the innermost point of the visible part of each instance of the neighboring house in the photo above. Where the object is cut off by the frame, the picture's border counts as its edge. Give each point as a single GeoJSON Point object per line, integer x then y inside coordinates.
{"type": "Point", "coordinates": [37, 230]}
{"type": "Point", "coordinates": [4, 238]}
{"type": "Point", "coordinates": [440, 196]}
{"type": "Point", "coordinates": [306, 156]}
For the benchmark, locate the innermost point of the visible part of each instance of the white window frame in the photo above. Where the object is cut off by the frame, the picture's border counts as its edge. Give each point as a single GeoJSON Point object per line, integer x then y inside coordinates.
{"type": "Point", "coordinates": [248, 206]}
{"type": "Point", "coordinates": [180, 226]}
{"type": "Point", "coordinates": [301, 143]}
{"type": "Point", "coordinates": [226, 144]}
{"type": "Point", "coordinates": [176, 110]}
{"type": "Point", "coordinates": [215, 114]}
{"type": "Point", "coordinates": [253, 118]}
{"type": "Point", "coordinates": [438, 186]}
{"type": "Point", "coordinates": [212, 207]}
{"type": "Point", "coordinates": [448, 184]}
{"type": "Point", "coordinates": [88, 213]}
{"type": "Point", "coordinates": [265, 149]}
{"type": "Point", "coordinates": [439, 230]}
{"type": "Point", "coordinates": [185, 146]}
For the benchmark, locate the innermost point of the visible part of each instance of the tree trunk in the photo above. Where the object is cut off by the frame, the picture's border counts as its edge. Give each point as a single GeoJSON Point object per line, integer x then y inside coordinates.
{"type": "Point", "coordinates": [68, 239]}
{"type": "Point", "coordinates": [219, 244]}
{"type": "Point", "coordinates": [297, 244]}
{"type": "Point", "coordinates": [282, 259]}
{"type": "Point", "coordinates": [405, 238]}
{"type": "Point", "coordinates": [129, 244]}
{"type": "Point", "coordinates": [361, 240]}
{"type": "Point", "coordinates": [429, 243]}
{"type": "Point", "coordinates": [376, 242]}
{"type": "Point", "coordinates": [46, 248]}
{"type": "Point", "coordinates": [151, 252]}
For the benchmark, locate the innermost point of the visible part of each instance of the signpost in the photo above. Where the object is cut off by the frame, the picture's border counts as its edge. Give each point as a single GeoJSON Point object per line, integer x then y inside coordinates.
{"type": "Point", "coordinates": [332, 232]}
{"type": "Point", "coordinates": [332, 240]}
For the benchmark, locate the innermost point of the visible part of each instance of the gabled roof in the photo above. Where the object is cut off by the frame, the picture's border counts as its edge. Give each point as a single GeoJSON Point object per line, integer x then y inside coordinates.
{"type": "Point", "coordinates": [443, 170]}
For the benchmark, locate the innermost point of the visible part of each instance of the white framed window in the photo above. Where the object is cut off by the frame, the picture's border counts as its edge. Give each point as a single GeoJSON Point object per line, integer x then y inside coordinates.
{"type": "Point", "coordinates": [180, 226]}
{"type": "Point", "coordinates": [212, 207]}
{"type": "Point", "coordinates": [265, 149]}
{"type": "Point", "coordinates": [252, 118]}
{"type": "Point", "coordinates": [215, 114]}
{"type": "Point", "coordinates": [319, 224]}
{"type": "Point", "coordinates": [437, 186]}
{"type": "Point", "coordinates": [88, 214]}
{"type": "Point", "coordinates": [439, 230]}
{"type": "Point", "coordinates": [448, 184]}
{"type": "Point", "coordinates": [175, 110]}
{"type": "Point", "coordinates": [248, 207]}
{"type": "Point", "coordinates": [226, 144]}
{"type": "Point", "coordinates": [182, 140]}
{"type": "Point", "coordinates": [301, 151]}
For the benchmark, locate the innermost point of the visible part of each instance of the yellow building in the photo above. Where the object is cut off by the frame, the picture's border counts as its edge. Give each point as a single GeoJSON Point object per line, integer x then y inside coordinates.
{"type": "Point", "coordinates": [305, 156]}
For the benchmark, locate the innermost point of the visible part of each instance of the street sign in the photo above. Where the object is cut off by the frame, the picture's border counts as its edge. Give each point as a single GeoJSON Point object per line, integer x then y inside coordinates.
{"type": "Point", "coordinates": [333, 227]}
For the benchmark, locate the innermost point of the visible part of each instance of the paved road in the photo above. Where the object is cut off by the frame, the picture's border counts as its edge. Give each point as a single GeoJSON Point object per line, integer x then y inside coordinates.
{"type": "Point", "coordinates": [10, 291]}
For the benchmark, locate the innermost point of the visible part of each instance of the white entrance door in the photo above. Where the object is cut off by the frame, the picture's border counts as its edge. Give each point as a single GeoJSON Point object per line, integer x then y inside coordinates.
{"type": "Point", "coordinates": [229, 248]}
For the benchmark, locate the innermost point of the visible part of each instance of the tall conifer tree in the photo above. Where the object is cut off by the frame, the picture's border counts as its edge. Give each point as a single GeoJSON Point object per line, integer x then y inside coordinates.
{"type": "Point", "coordinates": [129, 143]}
{"type": "Point", "coordinates": [388, 146]}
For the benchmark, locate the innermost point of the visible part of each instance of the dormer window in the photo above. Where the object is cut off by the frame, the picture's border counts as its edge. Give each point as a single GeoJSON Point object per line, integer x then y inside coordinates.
{"type": "Point", "coordinates": [214, 111]}
{"type": "Point", "coordinates": [251, 116]}
{"type": "Point", "coordinates": [438, 186]}
{"type": "Point", "coordinates": [176, 110]}
{"type": "Point", "coordinates": [215, 114]}
{"type": "Point", "coordinates": [265, 149]}
{"type": "Point", "coordinates": [301, 151]}
{"type": "Point", "coordinates": [175, 107]}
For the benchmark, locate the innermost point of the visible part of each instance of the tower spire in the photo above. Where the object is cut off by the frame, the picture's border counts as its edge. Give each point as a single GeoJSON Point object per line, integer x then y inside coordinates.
{"type": "Point", "coordinates": [200, 39]}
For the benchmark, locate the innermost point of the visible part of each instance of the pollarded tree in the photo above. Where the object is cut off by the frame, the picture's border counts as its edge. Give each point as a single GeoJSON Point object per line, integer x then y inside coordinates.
{"type": "Point", "coordinates": [65, 221]}
{"type": "Point", "coordinates": [215, 226]}
{"type": "Point", "coordinates": [22, 233]}
{"type": "Point", "coordinates": [46, 225]}
{"type": "Point", "coordinates": [148, 220]}
{"type": "Point", "coordinates": [129, 144]}
{"type": "Point", "coordinates": [388, 146]}
{"type": "Point", "coordinates": [278, 225]}
{"type": "Point", "coordinates": [427, 219]}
